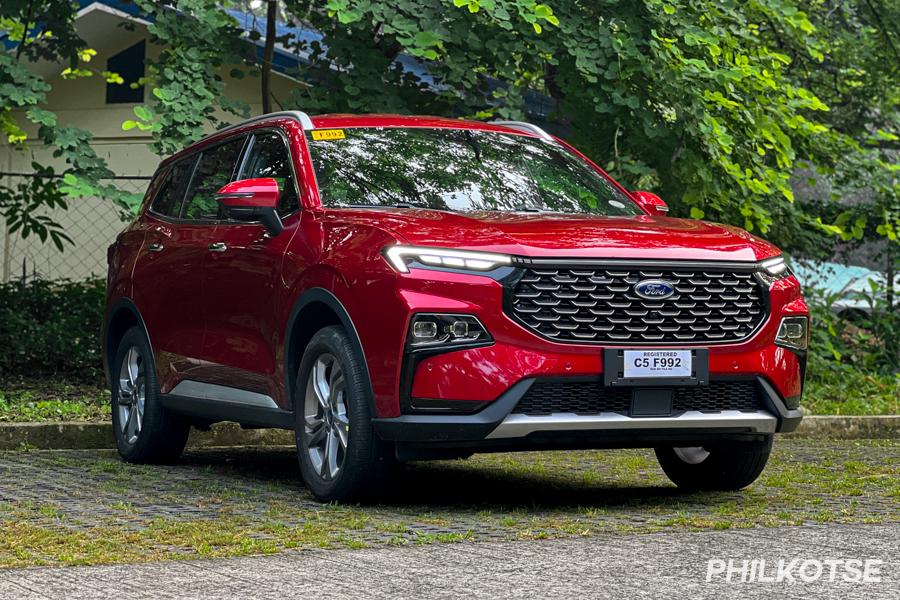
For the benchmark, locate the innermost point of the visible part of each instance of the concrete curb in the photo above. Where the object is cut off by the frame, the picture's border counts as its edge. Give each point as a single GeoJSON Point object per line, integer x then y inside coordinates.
{"type": "Point", "coordinates": [83, 436]}
{"type": "Point", "coordinates": [57, 436]}
{"type": "Point", "coordinates": [849, 427]}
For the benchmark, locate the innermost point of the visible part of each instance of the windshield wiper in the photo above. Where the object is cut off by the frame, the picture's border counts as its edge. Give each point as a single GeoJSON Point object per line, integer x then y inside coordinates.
{"type": "Point", "coordinates": [531, 209]}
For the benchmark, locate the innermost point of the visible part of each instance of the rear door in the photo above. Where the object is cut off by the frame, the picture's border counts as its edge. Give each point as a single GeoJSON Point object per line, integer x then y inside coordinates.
{"type": "Point", "coordinates": [243, 279]}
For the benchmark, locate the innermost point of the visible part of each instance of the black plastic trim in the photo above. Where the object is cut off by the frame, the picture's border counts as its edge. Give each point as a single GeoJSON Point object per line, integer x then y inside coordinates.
{"type": "Point", "coordinates": [330, 300]}
{"type": "Point", "coordinates": [452, 428]}
{"type": "Point", "coordinates": [215, 410]}
{"type": "Point", "coordinates": [788, 419]}
{"type": "Point", "coordinates": [471, 430]}
{"type": "Point", "coordinates": [118, 306]}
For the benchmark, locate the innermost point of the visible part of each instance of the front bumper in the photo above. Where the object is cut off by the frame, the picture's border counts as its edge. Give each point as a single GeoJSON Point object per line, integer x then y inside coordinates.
{"type": "Point", "coordinates": [498, 424]}
{"type": "Point", "coordinates": [468, 395]}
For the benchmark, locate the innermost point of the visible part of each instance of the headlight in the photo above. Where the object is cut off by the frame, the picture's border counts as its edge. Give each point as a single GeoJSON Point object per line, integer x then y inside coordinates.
{"type": "Point", "coordinates": [793, 333]}
{"type": "Point", "coordinates": [775, 266]}
{"type": "Point", "coordinates": [430, 329]}
{"type": "Point", "coordinates": [401, 257]}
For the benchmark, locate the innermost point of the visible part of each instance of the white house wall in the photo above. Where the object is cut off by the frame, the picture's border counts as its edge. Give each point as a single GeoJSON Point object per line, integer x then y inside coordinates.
{"type": "Point", "coordinates": [93, 223]}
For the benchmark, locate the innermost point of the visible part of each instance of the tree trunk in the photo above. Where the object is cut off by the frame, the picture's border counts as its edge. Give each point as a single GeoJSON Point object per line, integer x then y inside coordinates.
{"type": "Point", "coordinates": [268, 54]}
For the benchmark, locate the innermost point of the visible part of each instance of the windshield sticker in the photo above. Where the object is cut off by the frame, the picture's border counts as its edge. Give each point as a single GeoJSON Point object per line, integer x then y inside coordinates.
{"type": "Point", "coordinates": [328, 134]}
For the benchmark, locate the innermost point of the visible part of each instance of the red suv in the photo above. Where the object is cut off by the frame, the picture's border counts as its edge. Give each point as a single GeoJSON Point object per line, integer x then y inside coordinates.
{"type": "Point", "coordinates": [403, 288]}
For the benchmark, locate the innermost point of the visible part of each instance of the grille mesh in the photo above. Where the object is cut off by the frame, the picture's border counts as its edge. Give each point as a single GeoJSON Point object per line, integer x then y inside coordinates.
{"type": "Point", "coordinates": [595, 305]}
{"type": "Point", "coordinates": [591, 397]}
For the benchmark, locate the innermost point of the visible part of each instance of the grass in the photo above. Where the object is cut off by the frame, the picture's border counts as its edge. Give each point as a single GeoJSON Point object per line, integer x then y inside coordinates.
{"type": "Point", "coordinates": [23, 400]}
{"type": "Point", "coordinates": [526, 496]}
{"type": "Point", "coordinates": [851, 392]}
{"type": "Point", "coordinates": [846, 392]}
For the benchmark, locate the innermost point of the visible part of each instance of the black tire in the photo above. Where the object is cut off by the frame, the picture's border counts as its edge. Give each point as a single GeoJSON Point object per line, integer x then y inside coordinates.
{"type": "Point", "coordinates": [366, 461]}
{"type": "Point", "coordinates": [726, 467]}
{"type": "Point", "coordinates": [162, 435]}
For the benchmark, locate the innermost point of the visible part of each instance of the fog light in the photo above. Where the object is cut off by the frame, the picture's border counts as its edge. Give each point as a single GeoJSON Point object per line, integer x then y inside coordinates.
{"type": "Point", "coordinates": [424, 331]}
{"type": "Point", "coordinates": [793, 333]}
{"type": "Point", "coordinates": [445, 329]}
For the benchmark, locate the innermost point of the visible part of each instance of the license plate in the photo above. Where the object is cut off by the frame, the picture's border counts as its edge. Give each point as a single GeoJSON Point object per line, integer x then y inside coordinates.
{"type": "Point", "coordinates": [657, 363]}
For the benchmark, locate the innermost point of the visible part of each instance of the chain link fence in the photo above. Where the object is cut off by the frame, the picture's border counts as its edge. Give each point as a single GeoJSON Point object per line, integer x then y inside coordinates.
{"type": "Point", "coordinates": [91, 223]}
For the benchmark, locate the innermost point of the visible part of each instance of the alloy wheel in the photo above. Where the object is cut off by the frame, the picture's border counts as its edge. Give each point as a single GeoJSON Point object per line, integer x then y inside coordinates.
{"type": "Point", "coordinates": [326, 424]}
{"type": "Point", "coordinates": [132, 395]}
{"type": "Point", "coordinates": [693, 455]}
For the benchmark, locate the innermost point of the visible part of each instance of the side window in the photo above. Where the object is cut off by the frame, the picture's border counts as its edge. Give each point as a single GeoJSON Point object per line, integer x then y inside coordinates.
{"type": "Point", "coordinates": [269, 157]}
{"type": "Point", "coordinates": [168, 200]}
{"type": "Point", "coordinates": [215, 169]}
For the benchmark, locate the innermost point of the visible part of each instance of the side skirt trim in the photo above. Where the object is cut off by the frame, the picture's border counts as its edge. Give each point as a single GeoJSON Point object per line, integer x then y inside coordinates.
{"type": "Point", "coordinates": [229, 404]}
{"type": "Point", "coordinates": [221, 393]}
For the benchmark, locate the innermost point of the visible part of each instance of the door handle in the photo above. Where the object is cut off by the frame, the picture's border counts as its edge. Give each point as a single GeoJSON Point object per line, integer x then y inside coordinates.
{"type": "Point", "coordinates": [155, 247]}
{"type": "Point", "coordinates": [217, 247]}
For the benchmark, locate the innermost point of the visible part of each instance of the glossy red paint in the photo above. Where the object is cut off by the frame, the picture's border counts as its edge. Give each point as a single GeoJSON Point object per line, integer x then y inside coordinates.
{"type": "Point", "coordinates": [222, 317]}
{"type": "Point", "coordinates": [651, 203]}
{"type": "Point", "coordinates": [262, 192]}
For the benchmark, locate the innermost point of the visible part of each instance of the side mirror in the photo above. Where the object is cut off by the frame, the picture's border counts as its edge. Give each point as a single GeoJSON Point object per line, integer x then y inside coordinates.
{"type": "Point", "coordinates": [652, 203]}
{"type": "Point", "coordinates": [252, 200]}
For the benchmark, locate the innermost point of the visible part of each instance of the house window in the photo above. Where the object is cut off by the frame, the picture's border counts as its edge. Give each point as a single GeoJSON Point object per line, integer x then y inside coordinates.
{"type": "Point", "coordinates": [128, 63]}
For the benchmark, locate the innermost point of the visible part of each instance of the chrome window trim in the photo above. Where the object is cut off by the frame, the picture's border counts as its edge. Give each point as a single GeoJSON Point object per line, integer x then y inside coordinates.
{"type": "Point", "coordinates": [299, 116]}
{"type": "Point", "coordinates": [525, 126]}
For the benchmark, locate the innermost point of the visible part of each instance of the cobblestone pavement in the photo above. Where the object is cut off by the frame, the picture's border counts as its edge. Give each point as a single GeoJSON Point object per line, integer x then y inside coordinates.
{"type": "Point", "coordinates": [77, 507]}
{"type": "Point", "coordinates": [661, 565]}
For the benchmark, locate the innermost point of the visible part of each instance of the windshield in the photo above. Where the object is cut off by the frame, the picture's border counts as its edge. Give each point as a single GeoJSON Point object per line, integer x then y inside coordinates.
{"type": "Point", "coordinates": [457, 170]}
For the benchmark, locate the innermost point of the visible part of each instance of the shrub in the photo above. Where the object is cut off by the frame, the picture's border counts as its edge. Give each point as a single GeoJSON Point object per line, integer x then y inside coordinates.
{"type": "Point", "coordinates": [52, 328]}
{"type": "Point", "coordinates": [859, 340]}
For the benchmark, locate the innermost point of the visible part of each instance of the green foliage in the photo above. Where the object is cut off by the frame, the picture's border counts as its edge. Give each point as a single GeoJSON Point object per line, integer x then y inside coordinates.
{"type": "Point", "coordinates": [33, 399]}
{"type": "Point", "coordinates": [859, 340]}
{"type": "Point", "coordinates": [45, 31]}
{"type": "Point", "coordinates": [22, 206]}
{"type": "Point", "coordinates": [715, 104]}
{"type": "Point", "coordinates": [198, 38]}
{"type": "Point", "coordinates": [849, 391]}
{"type": "Point", "coordinates": [51, 329]}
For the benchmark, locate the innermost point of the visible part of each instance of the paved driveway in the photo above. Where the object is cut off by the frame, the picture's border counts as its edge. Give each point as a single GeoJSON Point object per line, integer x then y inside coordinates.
{"type": "Point", "coordinates": [663, 565]}
{"type": "Point", "coordinates": [593, 523]}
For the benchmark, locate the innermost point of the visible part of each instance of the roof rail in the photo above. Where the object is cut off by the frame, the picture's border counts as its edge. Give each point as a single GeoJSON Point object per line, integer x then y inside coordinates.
{"type": "Point", "coordinates": [297, 115]}
{"type": "Point", "coordinates": [525, 126]}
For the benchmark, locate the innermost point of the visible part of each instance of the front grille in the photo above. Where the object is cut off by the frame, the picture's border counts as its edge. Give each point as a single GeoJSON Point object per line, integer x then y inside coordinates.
{"type": "Point", "coordinates": [599, 305]}
{"type": "Point", "coordinates": [591, 397]}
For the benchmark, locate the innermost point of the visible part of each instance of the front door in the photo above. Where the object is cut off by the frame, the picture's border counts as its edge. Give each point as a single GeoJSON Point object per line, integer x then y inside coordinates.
{"type": "Point", "coordinates": [243, 280]}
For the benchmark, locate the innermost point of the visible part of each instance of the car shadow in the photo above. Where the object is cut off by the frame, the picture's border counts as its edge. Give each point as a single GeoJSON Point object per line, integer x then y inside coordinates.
{"type": "Point", "coordinates": [459, 484]}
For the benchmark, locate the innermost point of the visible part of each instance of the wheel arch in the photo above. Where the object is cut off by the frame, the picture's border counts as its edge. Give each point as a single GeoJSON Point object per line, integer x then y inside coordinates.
{"type": "Point", "coordinates": [122, 316]}
{"type": "Point", "coordinates": [316, 309]}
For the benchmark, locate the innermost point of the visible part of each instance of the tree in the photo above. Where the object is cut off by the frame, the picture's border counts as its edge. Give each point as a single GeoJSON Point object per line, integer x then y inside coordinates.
{"type": "Point", "coordinates": [44, 30]}
{"type": "Point", "coordinates": [715, 104]}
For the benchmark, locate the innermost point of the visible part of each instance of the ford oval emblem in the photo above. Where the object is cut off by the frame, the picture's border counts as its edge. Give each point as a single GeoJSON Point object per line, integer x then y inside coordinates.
{"type": "Point", "coordinates": [654, 289]}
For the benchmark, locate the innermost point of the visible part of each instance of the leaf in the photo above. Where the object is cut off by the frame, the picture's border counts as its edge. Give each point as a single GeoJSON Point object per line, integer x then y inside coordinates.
{"type": "Point", "coordinates": [41, 117]}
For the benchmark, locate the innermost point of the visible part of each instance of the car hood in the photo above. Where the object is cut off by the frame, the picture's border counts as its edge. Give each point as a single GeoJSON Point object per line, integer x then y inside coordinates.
{"type": "Point", "coordinates": [568, 236]}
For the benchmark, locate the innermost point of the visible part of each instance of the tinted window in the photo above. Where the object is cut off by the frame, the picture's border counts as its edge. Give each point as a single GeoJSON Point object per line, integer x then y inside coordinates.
{"type": "Point", "coordinates": [269, 157]}
{"type": "Point", "coordinates": [459, 170]}
{"type": "Point", "coordinates": [168, 199]}
{"type": "Point", "coordinates": [215, 169]}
